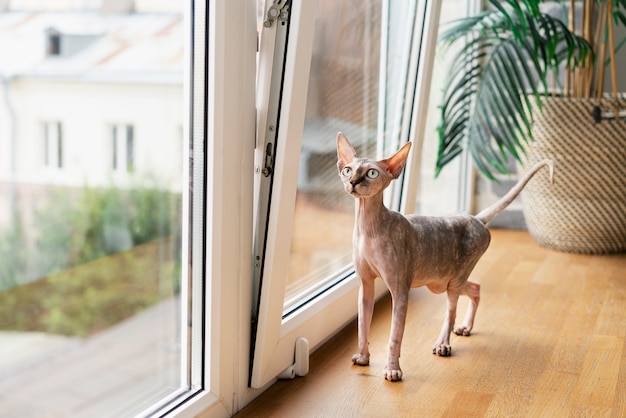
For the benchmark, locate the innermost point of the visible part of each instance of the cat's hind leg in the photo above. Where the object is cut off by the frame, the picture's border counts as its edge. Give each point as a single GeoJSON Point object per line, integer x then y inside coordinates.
{"type": "Point", "coordinates": [471, 290]}
{"type": "Point", "coordinates": [442, 346]}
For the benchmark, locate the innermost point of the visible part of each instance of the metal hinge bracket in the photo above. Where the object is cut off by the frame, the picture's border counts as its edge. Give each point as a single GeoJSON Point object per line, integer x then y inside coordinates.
{"type": "Point", "coordinates": [279, 10]}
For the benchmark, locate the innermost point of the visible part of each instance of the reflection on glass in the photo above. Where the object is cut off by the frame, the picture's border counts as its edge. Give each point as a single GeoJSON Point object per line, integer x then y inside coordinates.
{"type": "Point", "coordinates": [343, 96]}
{"type": "Point", "coordinates": [91, 151]}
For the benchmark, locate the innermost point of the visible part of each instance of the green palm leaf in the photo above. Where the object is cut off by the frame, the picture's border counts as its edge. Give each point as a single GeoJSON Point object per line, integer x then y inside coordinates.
{"type": "Point", "coordinates": [509, 53]}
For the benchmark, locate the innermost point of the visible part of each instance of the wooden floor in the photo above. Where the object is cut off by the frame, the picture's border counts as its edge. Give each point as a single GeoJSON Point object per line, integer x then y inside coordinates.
{"type": "Point", "coordinates": [549, 340]}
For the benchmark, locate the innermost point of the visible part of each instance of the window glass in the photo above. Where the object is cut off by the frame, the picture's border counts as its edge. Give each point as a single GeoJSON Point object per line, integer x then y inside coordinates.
{"type": "Point", "coordinates": [342, 96]}
{"type": "Point", "coordinates": [91, 318]}
{"type": "Point", "coordinates": [357, 85]}
{"type": "Point", "coordinates": [451, 191]}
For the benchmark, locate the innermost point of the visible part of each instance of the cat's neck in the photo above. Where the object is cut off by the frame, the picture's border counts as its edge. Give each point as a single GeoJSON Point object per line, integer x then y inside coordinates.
{"type": "Point", "coordinates": [369, 213]}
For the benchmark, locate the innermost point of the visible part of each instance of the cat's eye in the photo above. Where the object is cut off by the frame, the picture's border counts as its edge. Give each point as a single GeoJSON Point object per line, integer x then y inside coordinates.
{"type": "Point", "coordinates": [347, 171]}
{"type": "Point", "coordinates": [372, 174]}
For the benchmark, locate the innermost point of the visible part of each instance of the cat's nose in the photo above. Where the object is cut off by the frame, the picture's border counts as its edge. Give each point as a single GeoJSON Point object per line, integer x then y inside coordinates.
{"type": "Point", "coordinates": [356, 181]}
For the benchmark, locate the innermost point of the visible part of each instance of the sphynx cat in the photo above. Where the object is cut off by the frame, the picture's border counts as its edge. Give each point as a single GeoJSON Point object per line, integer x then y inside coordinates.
{"type": "Point", "coordinates": [412, 251]}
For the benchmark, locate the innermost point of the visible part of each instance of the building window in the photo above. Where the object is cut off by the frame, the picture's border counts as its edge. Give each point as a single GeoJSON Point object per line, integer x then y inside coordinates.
{"type": "Point", "coordinates": [123, 148]}
{"type": "Point", "coordinates": [53, 42]}
{"type": "Point", "coordinates": [53, 145]}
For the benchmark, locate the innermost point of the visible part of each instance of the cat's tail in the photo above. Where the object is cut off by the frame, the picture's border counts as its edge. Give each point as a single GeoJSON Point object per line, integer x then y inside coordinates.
{"type": "Point", "coordinates": [492, 211]}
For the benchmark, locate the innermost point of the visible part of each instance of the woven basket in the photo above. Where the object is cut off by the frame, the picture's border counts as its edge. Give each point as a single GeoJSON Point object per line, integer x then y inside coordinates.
{"type": "Point", "coordinates": [585, 210]}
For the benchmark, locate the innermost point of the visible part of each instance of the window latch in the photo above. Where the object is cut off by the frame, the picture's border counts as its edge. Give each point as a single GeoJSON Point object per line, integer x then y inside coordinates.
{"type": "Point", "coordinates": [268, 164]}
{"type": "Point", "coordinates": [279, 10]}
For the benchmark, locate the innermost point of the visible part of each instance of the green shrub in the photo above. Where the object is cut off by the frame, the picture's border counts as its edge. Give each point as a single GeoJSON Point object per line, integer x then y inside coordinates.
{"type": "Point", "coordinates": [103, 254]}
{"type": "Point", "coordinates": [82, 300]}
{"type": "Point", "coordinates": [12, 254]}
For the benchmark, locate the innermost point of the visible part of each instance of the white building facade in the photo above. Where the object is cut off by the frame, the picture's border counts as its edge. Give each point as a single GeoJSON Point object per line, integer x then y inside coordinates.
{"type": "Point", "coordinates": [89, 98]}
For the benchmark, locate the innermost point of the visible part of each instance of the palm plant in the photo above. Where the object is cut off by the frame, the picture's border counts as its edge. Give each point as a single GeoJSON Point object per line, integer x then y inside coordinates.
{"type": "Point", "coordinates": [515, 54]}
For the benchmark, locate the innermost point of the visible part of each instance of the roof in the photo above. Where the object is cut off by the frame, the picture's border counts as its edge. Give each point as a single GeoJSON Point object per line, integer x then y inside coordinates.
{"type": "Point", "coordinates": [134, 47]}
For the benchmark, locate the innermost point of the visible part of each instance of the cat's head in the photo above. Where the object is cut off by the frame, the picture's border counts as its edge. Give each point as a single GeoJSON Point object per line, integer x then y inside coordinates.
{"type": "Point", "coordinates": [363, 177]}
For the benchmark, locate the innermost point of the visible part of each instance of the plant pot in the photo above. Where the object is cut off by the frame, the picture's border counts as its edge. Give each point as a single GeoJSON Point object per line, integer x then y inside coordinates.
{"type": "Point", "coordinates": [584, 211]}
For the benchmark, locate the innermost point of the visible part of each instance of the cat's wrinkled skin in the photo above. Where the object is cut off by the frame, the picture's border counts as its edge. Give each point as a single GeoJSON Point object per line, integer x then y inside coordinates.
{"type": "Point", "coordinates": [411, 251]}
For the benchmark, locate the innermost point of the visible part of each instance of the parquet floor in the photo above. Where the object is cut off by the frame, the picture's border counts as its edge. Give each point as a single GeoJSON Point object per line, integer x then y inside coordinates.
{"type": "Point", "coordinates": [549, 340]}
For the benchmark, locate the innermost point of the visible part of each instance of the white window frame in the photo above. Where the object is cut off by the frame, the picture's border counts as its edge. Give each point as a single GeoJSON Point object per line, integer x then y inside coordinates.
{"type": "Point", "coordinates": [221, 89]}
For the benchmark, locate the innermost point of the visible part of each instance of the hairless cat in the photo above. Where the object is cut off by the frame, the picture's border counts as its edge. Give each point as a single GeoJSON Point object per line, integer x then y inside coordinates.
{"type": "Point", "coordinates": [412, 251]}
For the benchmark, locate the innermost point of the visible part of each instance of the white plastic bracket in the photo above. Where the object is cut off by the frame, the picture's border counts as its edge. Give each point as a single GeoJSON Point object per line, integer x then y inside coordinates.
{"type": "Point", "coordinates": [300, 367]}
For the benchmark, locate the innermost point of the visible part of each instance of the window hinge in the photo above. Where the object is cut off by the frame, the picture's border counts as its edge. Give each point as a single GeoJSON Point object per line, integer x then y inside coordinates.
{"type": "Point", "coordinates": [279, 10]}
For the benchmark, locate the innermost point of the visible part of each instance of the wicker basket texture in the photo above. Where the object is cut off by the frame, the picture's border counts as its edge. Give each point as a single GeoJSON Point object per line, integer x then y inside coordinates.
{"type": "Point", "coordinates": [584, 211]}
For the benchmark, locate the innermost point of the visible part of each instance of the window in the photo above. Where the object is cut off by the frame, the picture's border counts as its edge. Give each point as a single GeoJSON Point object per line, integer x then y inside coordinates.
{"type": "Point", "coordinates": [101, 280]}
{"type": "Point", "coordinates": [53, 145]}
{"type": "Point", "coordinates": [53, 47]}
{"type": "Point", "coordinates": [123, 148]}
{"type": "Point", "coordinates": [361, 83]}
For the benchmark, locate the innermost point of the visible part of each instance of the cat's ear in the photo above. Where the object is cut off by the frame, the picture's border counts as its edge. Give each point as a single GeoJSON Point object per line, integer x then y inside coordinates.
{"type": "Point", "coordinates": [345, 152]}
{"type": "Point", "coordinates": [395, 164]}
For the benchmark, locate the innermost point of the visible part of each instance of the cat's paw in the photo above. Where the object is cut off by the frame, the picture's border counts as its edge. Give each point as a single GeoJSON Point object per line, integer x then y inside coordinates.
{"type": "Point", "coordinates": [361, 359]}
{"type": "Point", "coordinates": [462, 330]}
{"type": "Point", "coordinates": [443, 350]}
{"type": "Point", "coordinates": [392, 374]}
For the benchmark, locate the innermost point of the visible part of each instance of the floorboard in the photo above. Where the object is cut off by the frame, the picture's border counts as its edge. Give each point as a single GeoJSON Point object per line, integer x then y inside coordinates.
{"type": "Point", "coordinates": [549, 340]}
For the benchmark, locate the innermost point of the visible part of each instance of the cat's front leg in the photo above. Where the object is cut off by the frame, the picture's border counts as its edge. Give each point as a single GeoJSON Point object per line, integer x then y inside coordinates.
{"type": "Point", "coordinates": [400, 302]}
{"type": "Point", "coordinates": [366, 309]}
